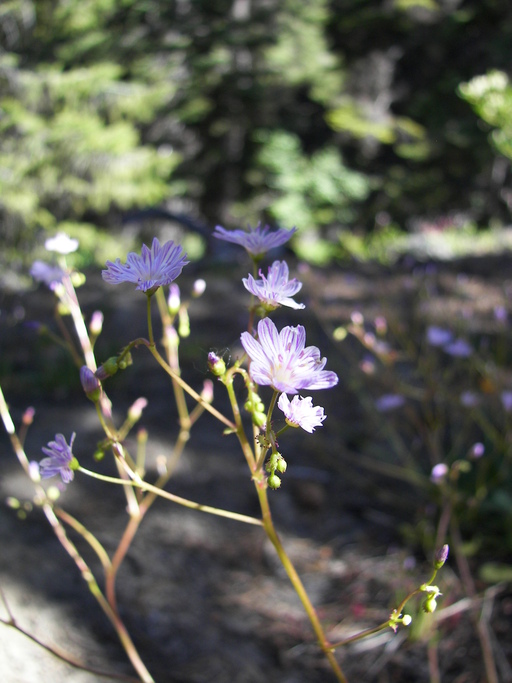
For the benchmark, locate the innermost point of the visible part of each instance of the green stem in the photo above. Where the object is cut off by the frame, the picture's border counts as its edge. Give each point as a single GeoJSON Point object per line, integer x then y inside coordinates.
{"type": "Point", "coordinates": [268, 525]}
{"type": "Point", "coordinates": [175, 499]}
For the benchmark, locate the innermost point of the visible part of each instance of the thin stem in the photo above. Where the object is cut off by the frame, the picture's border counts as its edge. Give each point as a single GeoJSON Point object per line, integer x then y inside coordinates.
{"type": "Point", "coordinates": [268, 525]}
{"type": "Point", "coordinates": [239, 429]}
{"type": "Point", "coordinates": [150, 324]}
{"type": "Point", "coordinates": [152, 349]}
{"type": "Point", "coordinates": [86, 535]}
{"type": "Point", "coordinates": [480, 622]}
{"type": "Point", "coordinates": [175, 499]}
{"type": "Point", "coordinates": [92, 584]}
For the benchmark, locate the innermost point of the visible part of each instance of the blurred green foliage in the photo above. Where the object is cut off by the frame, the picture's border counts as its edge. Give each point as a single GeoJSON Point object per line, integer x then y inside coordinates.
{"type": "Point", "coordinates": [323, 114]}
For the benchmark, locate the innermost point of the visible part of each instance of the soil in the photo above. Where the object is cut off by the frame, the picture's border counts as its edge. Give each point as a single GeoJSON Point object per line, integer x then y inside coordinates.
{"type": "Point", "coordinates": [205, 598]}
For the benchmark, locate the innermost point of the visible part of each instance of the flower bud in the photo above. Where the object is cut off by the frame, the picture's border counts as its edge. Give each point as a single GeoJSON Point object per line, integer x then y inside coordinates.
{"type": "Point", "coordinates": [441, 556]}
{"type": "Point", "coordinates": [174, 300]}
{"type": "Point", "coordinates": [90, 383]}
{"type": "Point", "coordinates": [107, 369]}
{"type": "Point", "coordinates": [216, 365]}
{"type": "Point", "coordinates": [430, 604]}
{"type": "Point", "coordinates": [96, 324]}
{"type": "Point", "coordinates": [274, 481]}
{"type": "Point", "coordinates": [135, 410]}
{"type": "Point", "coordinates": [198, 288]}
{"type": "Point", "coordinates": [281, 465]}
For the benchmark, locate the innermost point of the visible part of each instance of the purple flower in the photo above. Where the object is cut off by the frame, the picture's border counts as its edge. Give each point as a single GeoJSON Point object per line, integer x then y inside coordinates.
{"type": "Point", "coordinates": [506, 400]}
{"type": "Point", "coordinates": [44, 272]}
{"type": "Point", "coordinates": [459, 348]}
{"type": "Point", "coordinates": [300, 412]}
{"type": "Point", "coordinates": [275, 290]}
{"type": "Point", "coordinates": [438, 336]}
{"type": "Point", "coordinates": [257, 241]}
{"type": "Point", "coordinates": [281, 359]}
{"type": "Point", "coordinates": [60, 459]}
{"type": "Point", "coordinates": [388, 402]}
{"type": "Point", "coordinates": [156, 267]}
{"type": "Point", "coordinates": [439, 473]}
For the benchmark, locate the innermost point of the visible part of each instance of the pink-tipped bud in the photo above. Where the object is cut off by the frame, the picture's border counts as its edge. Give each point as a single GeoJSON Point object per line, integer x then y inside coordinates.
{"type": "Point", "coordinates": [174, 299]}
{"type": "Point", "coordinates": [135, 410]}
{"type": "Point", "coordinates": [96, 324]}
{"type": "Point", "coordinates": [216, 365]}
{"type": "Point", "coordinates": [28, 416]}
{"type": "Point", "coordinates": [441, 556]}
{"type": "Point", "coordinates": [198, 288]}
{"type": "Point", "coordinates": [207, 392]}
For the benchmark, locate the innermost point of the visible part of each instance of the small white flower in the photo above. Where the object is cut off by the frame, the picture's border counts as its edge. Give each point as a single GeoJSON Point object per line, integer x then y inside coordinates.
{"type": "Point", "coordinates": [61, 243]}
{"type": "Point", "coordinates": [300, 412]}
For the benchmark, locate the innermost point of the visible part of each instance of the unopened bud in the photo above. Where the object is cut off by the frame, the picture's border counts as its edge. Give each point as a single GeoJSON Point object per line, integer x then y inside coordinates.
{"type": "Point", "coordinates": [107, 369]}
{"type": "Point", "coordinates": [274, 481]}
{"type": "Point", "coordinates": [174, 300]}
{"type": "Point", "coordinates": [28, 416]}
{"type": "Point", "coordinates": [441, 556]}
{"type": "Point", "coordinates": [281, 465]}
{"type": "Point", "coordinates": [135, 410]}
{"type": "Point", "coordinates": [430, 604]}
{"type": "Point", "coordinates": [96, 324]}
{"type": "Point", "coordinates": [207, 392]}
{"type": "Point", "coordinates": [198, 288]}
{"type": "Point", "coordinates": [216, 365]}
{"type": "Point", "coordinates": [90, 383]}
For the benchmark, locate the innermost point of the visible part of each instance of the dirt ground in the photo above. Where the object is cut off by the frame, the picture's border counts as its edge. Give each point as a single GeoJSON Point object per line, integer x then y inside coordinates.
{"type": "Point", "coordinates": [205, 598]}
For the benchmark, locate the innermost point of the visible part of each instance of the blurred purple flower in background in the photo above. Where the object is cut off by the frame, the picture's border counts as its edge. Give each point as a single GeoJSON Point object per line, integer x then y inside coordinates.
{"type": "Point", "coordinates": [283, 361]}
{"type": "Point", "coordinates": [388, 402]}
{"type": "Point", "coordinates": [506, 400]}
{"type": "Point", "coordinates": [257, 241]}
{"type": "Point", "coordinates": [438, 336]}
{"type": "Point", "coordinates": [154, 268]}
{"type": "Point", "coordinates": [459, 348]}
{"type": "Point", "coordinates": [275, 289]}
{"type": "Point", "coordinates": [438, 473]}
{"type": "Point", "coordinates": [44, 272]}
{"type": "Point", "coordinates": [300, 412]}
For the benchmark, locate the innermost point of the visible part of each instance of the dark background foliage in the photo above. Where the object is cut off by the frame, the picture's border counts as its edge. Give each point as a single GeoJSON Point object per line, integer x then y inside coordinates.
{"type": "Point", "coordinates": [341, 116]}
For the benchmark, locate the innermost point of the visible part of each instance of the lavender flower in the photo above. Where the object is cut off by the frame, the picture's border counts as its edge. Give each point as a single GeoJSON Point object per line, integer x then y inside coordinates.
{"type": "Point", "coordinates": [438, 336]}
{"type": "Point", "coordinates": [156, 267]}
{"type": "Point", "coordinates": [257, 241]}
{"type": "Point", "coordinates": [439, 473]}
{"type": "Point", "coordinates": [300, 412]}
{"type": "Point", "coordinates": [388, 402]}
{"type": "Point", "coordinates": [60, 459]}
{"type": "Point", "coordinates": [276, 289]}
{"type": "Point", "coordinates": [458, 348]}
{"type": "Point", "coordinates": [44, 272]}
{"type": "Point", "coordinates": [506, 400]}
{"type": "Point", "coordinates": [281, 359]}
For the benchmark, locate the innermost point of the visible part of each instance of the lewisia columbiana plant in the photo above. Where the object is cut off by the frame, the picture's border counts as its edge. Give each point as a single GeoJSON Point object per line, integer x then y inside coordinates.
{"type": "Point", "coordinates": [275, 361]}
